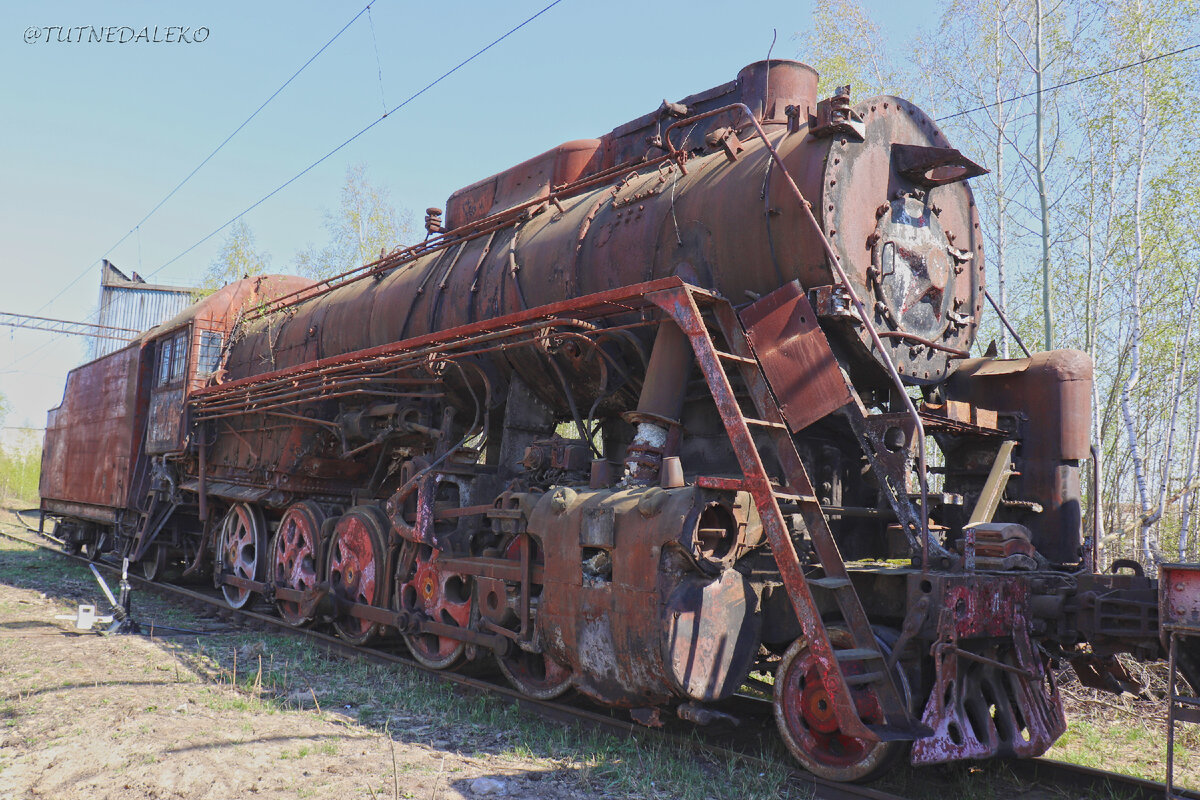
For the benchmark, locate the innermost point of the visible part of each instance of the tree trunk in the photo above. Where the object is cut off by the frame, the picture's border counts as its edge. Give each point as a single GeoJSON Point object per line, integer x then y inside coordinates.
{"type": "Point", "coordinates": [1001, 204]}
{"type": "Point", "coordinates": [1193, 463]}
{"type": "Point", "coordinates": [1040, 169]}
{"type": "Point", "coordinates": [1135, 299]}
{"type": "Point", "coordinates": [1177, 399]}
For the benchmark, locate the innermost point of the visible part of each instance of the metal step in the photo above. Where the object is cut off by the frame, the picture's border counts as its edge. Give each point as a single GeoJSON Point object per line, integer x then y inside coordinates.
{"type": "Point", "coordinates": [762, 423]}
{"type": "Point", "coordinates": [716, 366]}
{"type": "Point", "coordinates": [830, 583]}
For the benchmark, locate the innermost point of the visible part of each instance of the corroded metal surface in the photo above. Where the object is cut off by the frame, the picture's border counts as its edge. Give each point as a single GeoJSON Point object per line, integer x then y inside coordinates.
{"type": "Point", "coordinates": [635, 419]}
{"type": "Point", "coordinates": [1179, 596]}
{"type": "Point", "coordinates": [795, 356]}
{"type": "Point", "coordinates": [92, 438]}
{"type": "Point", "coordinates": [1050, 395]}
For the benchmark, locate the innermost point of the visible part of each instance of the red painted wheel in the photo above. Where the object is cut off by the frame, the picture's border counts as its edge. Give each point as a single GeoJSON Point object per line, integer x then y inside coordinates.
{"type": "Point", "coordinates": [296, 557]}
{"type": "Point", "coordinates": [242, 547]}
{"type": "Point", "coordinates": [357, 569]}
{"type": "Point", "coordinates": [809, 727]}
{"type": "Point", "coordinates": [537, 675]}
{"type": "Point", "coordinates": [424, 590]}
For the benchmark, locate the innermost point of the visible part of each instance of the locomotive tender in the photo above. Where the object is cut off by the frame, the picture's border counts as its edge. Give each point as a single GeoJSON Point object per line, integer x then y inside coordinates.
{"type": "Point", "coordinates": [654, 417]}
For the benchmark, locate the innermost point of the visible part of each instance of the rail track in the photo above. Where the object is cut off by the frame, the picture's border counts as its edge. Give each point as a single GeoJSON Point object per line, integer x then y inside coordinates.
{"type": "Point", "coordinates": [1068, 780]}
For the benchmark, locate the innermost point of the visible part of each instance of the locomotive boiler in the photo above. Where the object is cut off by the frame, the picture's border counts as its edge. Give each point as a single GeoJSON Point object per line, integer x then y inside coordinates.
{"type": "Point", "coordinates": [678, 412]}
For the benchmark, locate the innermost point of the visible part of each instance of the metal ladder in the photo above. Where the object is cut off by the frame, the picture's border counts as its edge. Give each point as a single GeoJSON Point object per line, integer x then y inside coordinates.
{"type": "Point", "coordinates": [899, 724]}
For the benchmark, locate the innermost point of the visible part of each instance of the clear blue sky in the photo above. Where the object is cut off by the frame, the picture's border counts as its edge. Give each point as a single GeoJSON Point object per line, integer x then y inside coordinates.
{"type": "Point", "coordinates": [95, 134]}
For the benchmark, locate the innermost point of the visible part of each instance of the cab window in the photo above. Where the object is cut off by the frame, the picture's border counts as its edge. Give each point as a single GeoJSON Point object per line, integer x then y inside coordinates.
{"type": "Point", "coordinates": [164, 361]}
{"type": "Point", "coordinates": [210, 353]}
{"type": "Point", "coordinates": [172, 358]}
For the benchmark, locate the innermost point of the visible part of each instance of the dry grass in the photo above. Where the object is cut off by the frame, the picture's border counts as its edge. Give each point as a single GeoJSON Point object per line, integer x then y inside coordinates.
{"type": "Point", "coordinates": [1126, 734]}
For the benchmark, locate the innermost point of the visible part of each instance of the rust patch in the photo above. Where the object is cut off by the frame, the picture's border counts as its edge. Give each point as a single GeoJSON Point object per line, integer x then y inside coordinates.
{"type": "Point", "coordinates": [795, 356]}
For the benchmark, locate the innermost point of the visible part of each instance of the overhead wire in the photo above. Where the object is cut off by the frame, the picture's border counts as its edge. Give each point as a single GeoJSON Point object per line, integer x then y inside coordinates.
{"type": "Point", "coordinates": [438, 80]}
{"type": "Point", "coordinates": [209, 157]}
{"type": "Point", "coordinates": [310, 167]}
{"type": "Point", "coordinates": [1073, 81]}
{"type": "Point", "coordinates": [351, 139]}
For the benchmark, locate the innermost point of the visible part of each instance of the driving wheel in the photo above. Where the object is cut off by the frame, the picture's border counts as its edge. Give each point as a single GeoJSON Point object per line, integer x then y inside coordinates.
{"type": "Point", "coordinates": [243, 548]}
{"type": "Point", "coordinates": [425, 591]}
{"type": "Point", "coordinates": [296, 557]}
{"type": "Point", "coordinates": [357, 569]}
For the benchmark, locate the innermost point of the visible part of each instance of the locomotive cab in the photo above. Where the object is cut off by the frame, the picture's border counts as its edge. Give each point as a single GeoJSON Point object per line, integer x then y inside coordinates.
{"type": "Point", "coordinates": [124, 416]}
{"type": "Point", "coordinates": [185, 353]}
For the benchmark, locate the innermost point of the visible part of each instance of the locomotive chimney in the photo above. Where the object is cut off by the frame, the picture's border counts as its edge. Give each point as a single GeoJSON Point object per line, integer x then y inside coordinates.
{"type": "Point", "coordinates": [769, 87]}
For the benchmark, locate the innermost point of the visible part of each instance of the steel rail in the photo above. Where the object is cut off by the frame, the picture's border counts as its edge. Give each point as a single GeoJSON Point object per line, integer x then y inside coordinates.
{"type": "Point", "coordinates": [560, 712]}
{"type": "Point", "coordinates": [1044, 772]}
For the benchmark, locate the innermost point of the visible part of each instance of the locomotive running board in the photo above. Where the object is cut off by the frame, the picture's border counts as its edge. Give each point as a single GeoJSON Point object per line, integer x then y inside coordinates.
{"type": "Point", "coordinates": [899, 724]}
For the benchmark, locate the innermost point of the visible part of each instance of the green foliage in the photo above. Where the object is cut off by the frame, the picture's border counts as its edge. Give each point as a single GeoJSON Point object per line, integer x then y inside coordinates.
{"type": "Point", "coordinates": [20, 461]}
{"type": "Point", "coordinates": [974, 70]}
{"type": "Point", "coordinates": [238, 258]}
{"type": "Point", "coordinates": [20, 469]}
{"type": "Point", "coordinates": [363, 228]}
{"type": "Point", "coordinates": [847, 47]}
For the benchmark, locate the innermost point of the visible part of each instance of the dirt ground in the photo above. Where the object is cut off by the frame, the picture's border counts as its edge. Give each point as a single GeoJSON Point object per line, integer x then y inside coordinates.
{"type": "Point", "coordinates": [203, 709]}
{"type": "Point", "coordinates": [223, 712]}
{"type": "Point", "coordinates": [86, 716]}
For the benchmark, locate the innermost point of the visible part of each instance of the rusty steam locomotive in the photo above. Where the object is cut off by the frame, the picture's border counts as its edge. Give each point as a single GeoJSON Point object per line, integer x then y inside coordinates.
{"type": "Point", "coordinates": [652, 417]}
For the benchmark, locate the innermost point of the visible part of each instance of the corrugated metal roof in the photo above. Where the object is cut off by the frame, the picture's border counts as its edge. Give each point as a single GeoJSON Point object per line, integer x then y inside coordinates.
{"type": "Point", "coordinates": [130, 302]}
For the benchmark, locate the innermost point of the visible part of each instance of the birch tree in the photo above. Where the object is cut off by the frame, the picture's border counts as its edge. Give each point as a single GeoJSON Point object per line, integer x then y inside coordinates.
{"type": "Point", "coordinates": [982, 114]}
{"type": "Point", "coordinates": [1143, 31]}
{"type": "Point", "coordinates": [847, 47]}
{"type": "Point", "coordinates": [1045, 40]}
{"type": "Point", "coordinates": [364, 227]}
{"type": "Point", "coordinates": [239, 257]}
{"type": "Point", "coordinates": [1190, 479]}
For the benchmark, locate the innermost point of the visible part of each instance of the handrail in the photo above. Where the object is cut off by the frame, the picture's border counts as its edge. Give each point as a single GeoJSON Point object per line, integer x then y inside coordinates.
{"type": "Point", "coordinates": [1007, 324]}
{"type": "Point", "coordinates": [806, 207]}
{"type": "Point", "coordinates": [463, 233]}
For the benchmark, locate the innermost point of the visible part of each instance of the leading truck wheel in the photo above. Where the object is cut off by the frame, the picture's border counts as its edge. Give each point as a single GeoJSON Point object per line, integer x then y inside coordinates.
{"type": "Point", "coordinates": [807, 723]}
{"type": "Point", "coordinates": [243, 549]}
